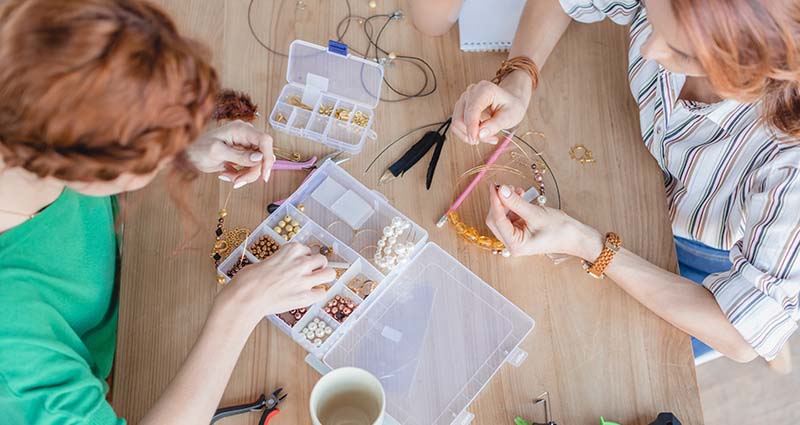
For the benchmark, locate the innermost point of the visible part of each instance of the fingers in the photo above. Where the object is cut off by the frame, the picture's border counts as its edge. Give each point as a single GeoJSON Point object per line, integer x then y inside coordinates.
{"type": "Point", "coordinates": [481, 97]}
{"type": "Point", "coordinates": [247, 175]}
{"type": "Point", "coordinates": [498, 220]}
{"type": "Point", "coordinates": [512, 200]}
{"type": "Point", "coordinates": [224, 152]}
{"type": "Point", "coordinates": [457, 126]}
{"type": "Point", "coordinates": [265, 146]}
{"type": "Point", "coordinates": [315, 262]}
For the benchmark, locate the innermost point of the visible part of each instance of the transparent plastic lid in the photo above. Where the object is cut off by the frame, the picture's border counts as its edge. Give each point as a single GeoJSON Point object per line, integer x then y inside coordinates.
{"type": "Point", "coordinates": [348, 77]}
{"type": "Point", "coordinates": [434, 339]}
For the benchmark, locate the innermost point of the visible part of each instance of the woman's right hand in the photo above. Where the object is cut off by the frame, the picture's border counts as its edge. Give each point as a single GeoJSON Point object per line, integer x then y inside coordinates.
{"type": "Point", "coordinates": [486, 108]}
{"type": "Point", "coordinates": [284, 281]}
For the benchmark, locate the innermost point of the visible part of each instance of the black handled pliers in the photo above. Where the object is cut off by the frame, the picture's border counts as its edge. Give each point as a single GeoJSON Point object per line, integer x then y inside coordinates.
{"type": "Point", "coordinates": [269, 405]}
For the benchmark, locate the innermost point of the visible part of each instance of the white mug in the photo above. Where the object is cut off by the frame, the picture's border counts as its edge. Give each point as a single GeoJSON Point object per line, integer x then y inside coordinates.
{"type": "Point", "coordinates": [348, 396]}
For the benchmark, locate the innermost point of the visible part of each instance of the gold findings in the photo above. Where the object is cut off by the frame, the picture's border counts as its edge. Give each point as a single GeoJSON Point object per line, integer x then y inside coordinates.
{"type": "Point", "coordinates": [295, 100]}
{"type": "Point", "coordinates": [362, 288]}
{"type": "Point", "coordinates": [340, 308]}
{"type": "Point", "coordinates": [280, 118]}
{"type": "Point", "coordinates": [226, 241]}
{"type": "Point", "coordinates": [326, 110]}
{"type": "Point", "coordinates": [327, 251]}
{"type": "Point", "coordinates": [264, 247]}
{"type": "Point", "coordinates": [581, 154]}
{"type": "Point", "coordinates": [360, 119]}
{"type": "Point", "coordinates": [342, 114]}
{"type": "Point", "coordinates": [287, 227]}
{"type": "Point", "coordinates": [301, 208]}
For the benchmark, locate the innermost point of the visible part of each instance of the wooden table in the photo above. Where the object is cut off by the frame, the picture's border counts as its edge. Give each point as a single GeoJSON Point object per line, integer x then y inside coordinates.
{"type": "Point", "coordinates": [595, 349]}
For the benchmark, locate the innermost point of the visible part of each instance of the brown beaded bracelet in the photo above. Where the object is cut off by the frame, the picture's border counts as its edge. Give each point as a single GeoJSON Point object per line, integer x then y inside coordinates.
{"type": "Point", "coordinates": [518, 63]}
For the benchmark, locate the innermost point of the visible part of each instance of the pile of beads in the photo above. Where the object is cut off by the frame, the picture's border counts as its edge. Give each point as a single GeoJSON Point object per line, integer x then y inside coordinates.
{"type": "Point", "coordinates": [340, 308]}
{"type": "Point", "coordinates": [317, 331]}
{"type": "Point", "coordinates": [287, 227]}
{"type": "Point", "coordinates": [392, 253]}
{"type": "Point", "coordinates": [471, 235]}
{"type": "Point", "coordinates": [360, 119]}
{"type": "Point", "coordinates": [326, 110]}
{"type": "Point", "coordinates": [238, 266]}
{"type": "Point", "coordinates": [264, 247]}
{"type": "Point", "coordinates": [291, 317]}
{"type": "Point", "coordinates": [342, 114]}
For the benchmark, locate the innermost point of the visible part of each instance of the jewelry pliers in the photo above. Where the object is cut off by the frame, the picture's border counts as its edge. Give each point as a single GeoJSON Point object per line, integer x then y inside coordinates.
{"type": "Point", "coordinates": [311, 165]}
{"type": "Point", "coordinates": [269, 405]}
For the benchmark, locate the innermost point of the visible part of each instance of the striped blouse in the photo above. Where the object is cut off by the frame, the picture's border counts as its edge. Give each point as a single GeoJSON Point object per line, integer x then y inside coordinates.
{"type": "Point", "coordinates": [732, 183]}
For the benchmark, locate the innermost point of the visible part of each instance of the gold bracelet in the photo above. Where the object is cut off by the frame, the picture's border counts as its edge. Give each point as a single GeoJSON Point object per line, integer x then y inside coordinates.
{"type": "Point", "coordinates": [610, 247]}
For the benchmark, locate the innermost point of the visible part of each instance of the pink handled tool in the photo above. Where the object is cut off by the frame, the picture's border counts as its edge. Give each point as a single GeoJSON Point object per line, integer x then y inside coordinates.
{"type": "Point", "coordinates": [295, 166]}
{"type": "Point", "coordinates": [311, 165]}
{"type": "Point", "coordinates": [475, 180]}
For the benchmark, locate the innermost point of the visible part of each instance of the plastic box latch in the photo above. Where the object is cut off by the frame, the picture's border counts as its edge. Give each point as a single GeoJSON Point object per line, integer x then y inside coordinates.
{"type": "Point", "coordinates": [337, 47]}
{"type": "Point", "coordinates": [516, 357]}
{"type": "Point", "coordinates": [465, 418]}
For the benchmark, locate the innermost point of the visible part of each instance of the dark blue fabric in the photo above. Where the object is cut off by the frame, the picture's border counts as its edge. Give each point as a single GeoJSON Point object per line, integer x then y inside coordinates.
{"type": "Point", "coordinates": [696, 261]}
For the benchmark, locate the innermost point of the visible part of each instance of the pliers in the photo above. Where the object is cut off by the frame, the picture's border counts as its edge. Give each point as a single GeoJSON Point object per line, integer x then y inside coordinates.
{"type": "Point", "coordinates": [269, 405]}
{"type": "Point", "coordinates": [311, 165]}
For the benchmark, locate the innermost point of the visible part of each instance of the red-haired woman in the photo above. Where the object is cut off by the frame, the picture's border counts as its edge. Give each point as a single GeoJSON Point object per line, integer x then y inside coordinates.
{"type": "Point", "coordinates": [97, 96]}
{"type": "Point", "coordinates": [717, 86]}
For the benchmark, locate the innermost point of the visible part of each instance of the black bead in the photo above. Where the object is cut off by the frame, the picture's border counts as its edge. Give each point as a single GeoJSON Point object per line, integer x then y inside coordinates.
{"type": "Point", "coordinates": [218, 231]}
{"type": "Point", "coordinates": [217, 257]}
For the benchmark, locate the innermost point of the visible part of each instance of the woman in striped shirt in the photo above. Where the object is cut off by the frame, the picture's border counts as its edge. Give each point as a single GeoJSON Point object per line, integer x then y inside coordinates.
{"type": "Point", "coordinates": [717, 87]}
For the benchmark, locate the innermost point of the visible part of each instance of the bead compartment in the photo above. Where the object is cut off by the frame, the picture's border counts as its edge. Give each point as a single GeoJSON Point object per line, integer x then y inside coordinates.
{"type": "Point", "coordinates": [228, 264]}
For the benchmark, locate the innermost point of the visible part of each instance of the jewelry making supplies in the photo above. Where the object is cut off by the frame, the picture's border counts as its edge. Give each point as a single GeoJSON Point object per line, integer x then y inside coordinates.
{"type": "Point", "coordinates": [342, 114]}
{"type": "Point", "coordinates": [264, 247]}
{"type": "Point", "coordinates": [340, 308]}
{"type": "Point", "coordinates": [226, 241]}
{"type": "Point", "coordinates": [288, 227]}
{"type": "Point", "coordinates": [291, 317]}
{"type": "Point", "coordinates": [416, 152]}
{"type": "Point", "coordinates": [390, 251]}
{"type": "Point", "coordinates": [295, 100]}
{"type": "Point", "coordinates": [581, 154]}
{"type": "Point", "coordinates": [317, 331]}
{"type": "Point", "coordinates": [362, 287]}
{"type": "Point", "coordinates": [238, 266]}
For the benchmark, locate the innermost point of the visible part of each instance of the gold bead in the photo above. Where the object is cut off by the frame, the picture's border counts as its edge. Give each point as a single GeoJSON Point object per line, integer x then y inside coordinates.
{"type": "Point", "coordinates": [220, 280]}
{"type": "Point", "coordinates": [392, 55]}
{"type": "Point", "coordinates": [301, 207]}
{"type": "Point", "coordinates": [287, 219]}
{"type": "Point", "coordinates": [295, 223]}
{"type": "Point", "coordinates": [296, 229]}
{"type": "Point", "coordinates": [372, 4]}
{"type": "Point", "coordinates": [223, 213]}
{"type": "Point", "coordinates": [277, 229]}
{"type": "Point", "coordinates": [282, 224]}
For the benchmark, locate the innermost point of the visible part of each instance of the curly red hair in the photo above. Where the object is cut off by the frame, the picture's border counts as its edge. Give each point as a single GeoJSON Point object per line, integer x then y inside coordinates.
{"type": "Point", "coordinates": [92, 89]}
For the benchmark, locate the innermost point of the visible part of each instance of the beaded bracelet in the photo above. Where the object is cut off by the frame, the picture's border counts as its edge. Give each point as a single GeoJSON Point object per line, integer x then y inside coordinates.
{"type": "Point", "coordinates": [521, 63]}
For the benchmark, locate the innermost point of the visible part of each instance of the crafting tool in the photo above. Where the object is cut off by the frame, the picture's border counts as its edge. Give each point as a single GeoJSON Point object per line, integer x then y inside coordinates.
{"type": "Point", "coordinates": [543, 399]}
{"type": "Point", "coordinates": [475, 180]}
{"type": "Point", "coordinates": [416, 152]}
{"type": "Point", "coordinates": [268, 405]}
{"type": "Point", "coordinates": [311, 165]}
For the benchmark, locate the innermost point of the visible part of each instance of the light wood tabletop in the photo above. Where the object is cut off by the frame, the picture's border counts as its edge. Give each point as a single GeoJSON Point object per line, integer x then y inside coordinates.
{"type": "Point", "coordinates": [595, 349]}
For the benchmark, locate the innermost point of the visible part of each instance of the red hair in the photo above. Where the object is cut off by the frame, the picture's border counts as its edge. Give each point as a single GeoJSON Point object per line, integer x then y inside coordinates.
{"type": "Point", "coordinates": [91, 89]}
{"type": "Point", "coordinates": [749, 50]}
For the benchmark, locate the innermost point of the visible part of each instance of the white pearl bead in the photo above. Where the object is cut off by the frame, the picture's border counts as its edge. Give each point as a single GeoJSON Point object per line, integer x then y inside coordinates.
{"type": "Point", "coordinates": [310, 335]}
{"type": "Point", "coordinates": [541, 200]}
{"type": "Point", "coordinates": [316, 320]}
{"type": "Point", "coordinates": [378, 256]}
{"type": "Point", "coordinates": [387, 250]}
{"type": "Point", "coordinates": [312, 326]}
{"type": "Point", "coordinates": [400, 249]}
{"type": "Point", "coordinates": [328, 330]}
{"type": "Point", "coordinates": [406, 225]}
{"type": "Point", "coordinates": [396, 221]}
{"type": "Point", "coordinates": [505, 253]}
{"type": "Point", "coordinates": [381, 243]}
{"type": "Point", "coordinates": [391, 258]}
{"type": "Point", "coordinates": [319, 332]}
{"type": "Point", "coordinates": [388, 232]}
{"type": "Point", "coordinates": [392, 240]}
{"type": "Point", "coordinates": [317, 342]}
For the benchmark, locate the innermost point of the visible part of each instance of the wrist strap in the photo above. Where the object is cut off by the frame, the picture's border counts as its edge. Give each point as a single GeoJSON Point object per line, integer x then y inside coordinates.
{"type": "Point", "coordinates": [610, 248]}
{"type": "Point", "coordinates": [518, 63]}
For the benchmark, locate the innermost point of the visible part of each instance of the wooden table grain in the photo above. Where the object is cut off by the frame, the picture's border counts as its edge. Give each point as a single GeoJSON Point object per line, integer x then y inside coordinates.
{"type": "Point", "coordinates": [595, 349]}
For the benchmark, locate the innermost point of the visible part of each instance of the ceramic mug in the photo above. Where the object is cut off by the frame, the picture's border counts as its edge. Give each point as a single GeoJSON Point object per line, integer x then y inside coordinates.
{"type": "Point", "coordinates": [348, 396]}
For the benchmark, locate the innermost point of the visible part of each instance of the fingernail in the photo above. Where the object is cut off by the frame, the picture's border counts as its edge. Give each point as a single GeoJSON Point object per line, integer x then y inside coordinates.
{"type": "Point", "coordinates": [239, 184]}
{"type": "Point", "coordinates": [257, 156]}
{"type": "Point", "coordinates": [493, 142]}
{"type": "Point", "coordinates": [224, 178]}
{"type": "Point", "coordinates": [505, 191]}
{"type": "Point", "coordinates": [266, 175]}
{"type": "Point", "coordinates": [484, 133]}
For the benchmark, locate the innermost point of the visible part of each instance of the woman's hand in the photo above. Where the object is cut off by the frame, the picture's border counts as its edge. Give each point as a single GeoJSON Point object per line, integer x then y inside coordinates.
{"type": "Point", "coordinates": [240, 151]}
{"type": "Point", "coordinates": [527, 229]}
{"type": "Point", "coordinates": [486, 108]}
{"type": "Point", "coordinates": [284, 281]}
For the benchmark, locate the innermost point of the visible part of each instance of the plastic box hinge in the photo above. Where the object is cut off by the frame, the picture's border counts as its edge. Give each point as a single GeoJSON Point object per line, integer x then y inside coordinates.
{"type": "Point", "coordinates": [337, 47]}
{"type": "Point", "coordinates": [465, 418]}
{"type": "Point", "coordinates": [516, 357]}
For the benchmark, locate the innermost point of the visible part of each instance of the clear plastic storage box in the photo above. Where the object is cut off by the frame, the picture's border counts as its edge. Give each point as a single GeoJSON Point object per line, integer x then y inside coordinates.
{"type": "Point", "coordinates": [431, 330]}
{"type": "Point", "coordinates": [330, 96]}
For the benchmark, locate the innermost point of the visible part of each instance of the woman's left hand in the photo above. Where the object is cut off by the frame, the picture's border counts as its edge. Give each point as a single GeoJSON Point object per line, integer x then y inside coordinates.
{"type": "Point", "coordinates": [528, 229]}
{"type": "Point", "coordinates": [240, 151]}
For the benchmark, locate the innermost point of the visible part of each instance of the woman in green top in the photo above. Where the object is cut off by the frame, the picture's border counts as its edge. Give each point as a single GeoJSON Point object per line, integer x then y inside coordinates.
{"type": "Point", "coordinates": [96, 97]}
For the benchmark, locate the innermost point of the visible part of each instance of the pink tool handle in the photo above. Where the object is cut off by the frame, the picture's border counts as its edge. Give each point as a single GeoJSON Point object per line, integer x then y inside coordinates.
{"type": "Point", "coordinates": [475, 180]}
{"type": "Point", "coordinates": [290, 165]}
